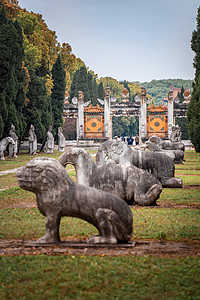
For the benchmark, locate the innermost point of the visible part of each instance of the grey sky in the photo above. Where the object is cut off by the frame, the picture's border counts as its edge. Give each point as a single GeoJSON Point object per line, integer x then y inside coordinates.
{"type": "Point", "coordinates": [136, 40]}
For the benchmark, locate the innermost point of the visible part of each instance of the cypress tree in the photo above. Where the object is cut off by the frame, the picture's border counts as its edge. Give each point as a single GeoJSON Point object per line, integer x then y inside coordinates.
{"type": "Point", "coordinates": [38, 111]}
{"type": "Point", "coordinates": [100, 91]}
{"type": "Point", "coordinates": [94, 93]}
{"type": "Point", "coordinates": [90, 86]}
{"type": "Point", "coordinates": [12, 76]}
{"type": "Point", "coordinates": [73, 85]}
{"type": "Point", "coordinates": [82, 83]}
{"type": "Point", "coordinates": [58, 94]}
{"type": "Point", "coordinates": [20, 76]}
{"type": "Point", "coordinates": [194, 106]}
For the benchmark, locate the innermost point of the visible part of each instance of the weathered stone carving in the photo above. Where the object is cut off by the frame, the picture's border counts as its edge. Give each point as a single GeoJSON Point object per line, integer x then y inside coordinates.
{"type": "Point", "coordinates": [57, 196]}
{"type": "Point", "coordinates": [3, 145]}
{"type": "Point", "coordinates": [158, 164]}
{"type": "Point", "coordinates": [125, 181]}
{"type": "Point", "coordinates": [61, 140]}
{"type": "Point", "coordinates": [50, 141]}
{"type": "Point", "coordinates": [12, 148]}
{"type": "Point", "coordinates": [176, 155]}
{"type": "Point", "coordinates": [155, 148]}
{"type": "Point", "coordinates": [168, 145]}
{"type": "Point", "coordinates": [32, 141]}
{"type": "Point", "coordinates": [176, 134]}
{"type": "Point", "coordinates": [175, 140]}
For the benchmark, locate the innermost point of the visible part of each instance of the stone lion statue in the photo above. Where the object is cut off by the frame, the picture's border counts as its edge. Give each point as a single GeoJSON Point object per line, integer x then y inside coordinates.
{"type": "Point", "coordinates": [58, 196]}
{"type": "Point", "coordinates": [3, 145]}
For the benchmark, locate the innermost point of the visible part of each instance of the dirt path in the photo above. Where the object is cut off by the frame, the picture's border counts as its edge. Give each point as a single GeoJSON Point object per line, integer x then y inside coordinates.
{"type": "Point", "coordinates": [8, 171]}
{"type": "Point", "coordinates": [137, 248]}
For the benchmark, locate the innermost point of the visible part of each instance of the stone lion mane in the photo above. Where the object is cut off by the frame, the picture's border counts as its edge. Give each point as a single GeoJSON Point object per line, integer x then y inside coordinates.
{"type": "Point", "coordinates": [57, 196]}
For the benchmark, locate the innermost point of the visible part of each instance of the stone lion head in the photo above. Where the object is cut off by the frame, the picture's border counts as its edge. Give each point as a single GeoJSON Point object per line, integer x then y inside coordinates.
{"type": "Point", "coordinates": [42, 174]}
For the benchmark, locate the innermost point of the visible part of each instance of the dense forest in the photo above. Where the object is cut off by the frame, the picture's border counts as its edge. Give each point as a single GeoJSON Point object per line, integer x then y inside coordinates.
{"type": "Point", "coordinates": [36, 71]}
{"type": "Point", "coordinates": [159, 89]}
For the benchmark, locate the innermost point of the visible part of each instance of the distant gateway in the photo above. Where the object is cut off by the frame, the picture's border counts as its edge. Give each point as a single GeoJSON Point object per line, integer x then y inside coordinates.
{"type": "Point", "coordinates": [96, 122]}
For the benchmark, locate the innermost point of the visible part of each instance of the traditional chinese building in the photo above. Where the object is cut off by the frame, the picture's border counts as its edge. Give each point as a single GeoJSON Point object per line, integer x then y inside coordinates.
{"type": "Point", "coordinates": [96, 122]}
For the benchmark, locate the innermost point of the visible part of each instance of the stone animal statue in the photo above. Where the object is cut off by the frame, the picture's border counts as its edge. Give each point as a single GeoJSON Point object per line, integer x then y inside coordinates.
{"type": "Point", "coordinates": [126, 181]}
{"type": "Point", "coordinates": [167, 145]}
{"type": "Point", "coordinates": [158, 164]}
{"type": "Point", "coordinates": [176, 155]}
{"type": "Point", "coordinates": [58, 196]}
{"type": "Point", "coordinates": [3, 145]}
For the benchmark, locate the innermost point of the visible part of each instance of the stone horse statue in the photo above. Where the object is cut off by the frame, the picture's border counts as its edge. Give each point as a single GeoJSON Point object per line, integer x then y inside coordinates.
{"type": "Point", "coordinates": [58, 196]}
{"type": "Point", "coordinates": [176, 155]}
{"type": "Point", "coordinates": [3, 145]}
{"type": "Point", "coordinates": [126, 181]}
{"type": "Point", "coordinates": [158, 164]}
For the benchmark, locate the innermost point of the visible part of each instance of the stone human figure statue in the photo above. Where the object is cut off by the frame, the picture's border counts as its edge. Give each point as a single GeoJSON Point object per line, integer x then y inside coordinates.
{"type": "Point", "coordinates": [12, 150]}
{"type": "Point", "coordinates": [32, 141]}
{"type": "Point", "coordinates": [176, 134]}
{"type": "Point", "coordinates": [61, 140]}
{"type": "Point", "coordinates": [50, 141]}
{"type": "Point", "coordinates": [169, 130]}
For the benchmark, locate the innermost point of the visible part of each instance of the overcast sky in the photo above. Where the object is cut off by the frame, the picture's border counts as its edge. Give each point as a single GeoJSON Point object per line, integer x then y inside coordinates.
{"type": "Point", "coordinates": [136, 40]}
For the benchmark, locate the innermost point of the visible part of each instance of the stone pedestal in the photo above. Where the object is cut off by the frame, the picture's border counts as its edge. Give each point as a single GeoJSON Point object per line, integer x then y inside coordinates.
{"type": "Point", "coordinates": [107, 119]}
{"type": "Point", "coordinates": [80, 119]}
{"type": "Point", "coordinates": [143, 115]}
{"type": "Point", "coordinates": [170, 113]}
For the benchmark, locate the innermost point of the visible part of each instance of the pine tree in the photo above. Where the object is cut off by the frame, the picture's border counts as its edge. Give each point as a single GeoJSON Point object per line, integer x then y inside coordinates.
{"type": "Point", "coordinates": [58, 94]}
{"type": "Point", "coordinates": [194, 106]}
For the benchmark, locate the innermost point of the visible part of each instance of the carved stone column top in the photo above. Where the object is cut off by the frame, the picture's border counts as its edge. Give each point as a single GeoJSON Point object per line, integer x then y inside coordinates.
{"type": "Point", "coordinates": [107, 92]}
{"type": "Point", "coordinates": [80, 96]}
{"type": "Point", "coordinates": [170, 96]}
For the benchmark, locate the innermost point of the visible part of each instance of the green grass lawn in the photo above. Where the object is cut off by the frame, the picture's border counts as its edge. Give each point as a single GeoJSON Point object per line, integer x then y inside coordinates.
{"type": "Point", "coordinates": [81, 277]}
{"type": "Point", "coordinates": [148, 223]}
{"type": "Point", "coordinates": [101, 277]}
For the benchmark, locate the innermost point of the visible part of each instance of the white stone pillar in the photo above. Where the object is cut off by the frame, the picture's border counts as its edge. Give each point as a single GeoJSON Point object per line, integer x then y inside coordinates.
{"type": "Point", "coordinates": [80, 127]}
{"type": "Point", "coordinates": [107, 127]}
{"type": "Point", "coordinates": [143, 114]}
{"type": "Point", "coordinates": [170, 109]}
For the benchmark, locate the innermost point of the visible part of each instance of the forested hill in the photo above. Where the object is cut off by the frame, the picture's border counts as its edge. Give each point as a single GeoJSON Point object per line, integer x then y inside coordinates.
{"type": "Point", "coordinates": [159, 89]}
